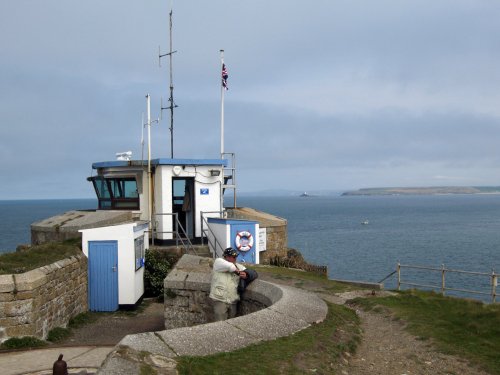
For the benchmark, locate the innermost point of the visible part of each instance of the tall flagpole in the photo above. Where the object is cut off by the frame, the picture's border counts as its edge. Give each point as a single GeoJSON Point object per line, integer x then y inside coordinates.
{"type": "Point", "coordinates": [222, 89]}
{"type": "Point", "coordinates": [150, 185]}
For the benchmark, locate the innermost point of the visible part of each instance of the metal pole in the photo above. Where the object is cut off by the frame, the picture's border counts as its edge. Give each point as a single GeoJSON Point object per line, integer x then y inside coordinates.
{"type": "Point", "coordinates": [399, 275]}
{"type": "Point", "coordinates": [442, 279]}
{"type": "Point", "coordinates": [171, 98]}
{"type": "Point", "coordinates": [234, 180]}
{"type": "Point", "coordinates": [171, 95]}
{"type": "Point", "coordinates": [150, 198]}
{"type": "Point", "coordinates": [176, 230]}
{"type": "Point", "coordinates": [222, 89]}
{"type": "Point", "coordinates": [201, 221]}
{"type": "Point", "coordinates": [493, 286]}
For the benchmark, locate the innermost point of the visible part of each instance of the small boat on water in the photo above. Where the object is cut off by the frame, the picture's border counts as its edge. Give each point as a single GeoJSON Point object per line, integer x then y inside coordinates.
{"type": "Point", "coordinates": [304, 194]}
{"type": "Point", "coordinates": [365, 222]}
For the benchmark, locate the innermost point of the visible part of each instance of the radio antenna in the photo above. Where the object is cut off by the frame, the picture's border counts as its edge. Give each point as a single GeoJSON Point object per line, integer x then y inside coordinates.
{"type": "Point", "coordinates": [171, 99]}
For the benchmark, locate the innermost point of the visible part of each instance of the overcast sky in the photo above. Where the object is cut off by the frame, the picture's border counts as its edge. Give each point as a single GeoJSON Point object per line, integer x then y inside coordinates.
{"type": "Point", "coordinates": [324, 94]}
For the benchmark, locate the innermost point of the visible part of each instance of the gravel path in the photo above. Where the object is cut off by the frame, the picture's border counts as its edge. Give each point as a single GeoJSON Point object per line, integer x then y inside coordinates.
{"type": "Point", "coordinates": [110, 328]}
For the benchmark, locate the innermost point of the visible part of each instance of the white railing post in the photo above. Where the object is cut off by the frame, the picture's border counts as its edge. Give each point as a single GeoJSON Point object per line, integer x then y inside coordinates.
{"type": "Point", "coordinates": [176, 229]}
{"type": "Point", "coordinates": [494, 279]}
{"type": "Point", "coordinates": [399, 275]}
{"type": "Point", "coordinates": [202, 229]}
{"type": "Point", "coordinates": [442, 279]}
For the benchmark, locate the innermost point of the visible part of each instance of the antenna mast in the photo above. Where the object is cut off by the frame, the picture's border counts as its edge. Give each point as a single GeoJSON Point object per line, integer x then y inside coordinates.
{"type": "Point", "coordinates": [171, 99]}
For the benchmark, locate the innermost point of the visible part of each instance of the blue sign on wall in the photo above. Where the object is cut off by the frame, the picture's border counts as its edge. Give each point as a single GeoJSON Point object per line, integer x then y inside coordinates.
{"type": "Point", "coordinates": [204, 191]}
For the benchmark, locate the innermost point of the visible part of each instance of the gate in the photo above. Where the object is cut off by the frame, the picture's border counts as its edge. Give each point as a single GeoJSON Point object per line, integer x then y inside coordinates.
{"type": "Point", "coordinates": [103, 276]}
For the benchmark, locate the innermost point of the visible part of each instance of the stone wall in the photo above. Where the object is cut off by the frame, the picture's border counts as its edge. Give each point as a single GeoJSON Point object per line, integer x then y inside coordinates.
{"type": "Point", "coordinates": [186, 293]}
{"type": "Point", "coordinates": [34, 302]}
{"type": "Point", "coordinates": [276, 230]}
{"type": "Point", "coordinates": [187, 288]}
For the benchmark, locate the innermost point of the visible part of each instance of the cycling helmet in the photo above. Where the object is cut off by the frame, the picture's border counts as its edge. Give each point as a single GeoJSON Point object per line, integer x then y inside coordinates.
{"type": "Point", "coordinates": [230, 252]}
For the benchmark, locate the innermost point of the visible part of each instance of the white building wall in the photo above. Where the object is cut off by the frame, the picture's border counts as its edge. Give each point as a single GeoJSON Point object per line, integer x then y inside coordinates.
{"type": "Point", "coordinates": [163, 201]}
{"type": "Point", "coordinates": [130, 281]}
{"type": "Point", "coordinates": [222, 232]}
{"type": "Point", "coordinates": [143, 187]}
{"type": "Point", "coordinates": [257, 243]}
{"type": "Point", "coordinates": [210, 202]}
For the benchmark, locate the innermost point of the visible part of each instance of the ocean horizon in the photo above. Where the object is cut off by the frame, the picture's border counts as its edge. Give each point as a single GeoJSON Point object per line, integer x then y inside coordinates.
{"type": "Point", "coordinates": [357, 237]}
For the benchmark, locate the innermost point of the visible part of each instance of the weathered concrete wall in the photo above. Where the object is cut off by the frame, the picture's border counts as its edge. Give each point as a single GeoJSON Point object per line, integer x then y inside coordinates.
{"type": "Point", "coordinates": [187, 288]}
{"type": "Point", "coordinates": [276, 230]}
{"type": "Point", "coordinates": [34, 302]}
{"type": "Point", "coordinates": [66, 226]}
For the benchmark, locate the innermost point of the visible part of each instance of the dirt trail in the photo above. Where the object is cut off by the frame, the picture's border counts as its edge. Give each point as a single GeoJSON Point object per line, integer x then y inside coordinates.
{"type": "Point", "coordinates": [386, 347]}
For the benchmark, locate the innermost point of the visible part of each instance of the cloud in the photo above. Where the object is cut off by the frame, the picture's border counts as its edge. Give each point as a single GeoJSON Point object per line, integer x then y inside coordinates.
{"type": "Point", "coordinates": [332, 93]}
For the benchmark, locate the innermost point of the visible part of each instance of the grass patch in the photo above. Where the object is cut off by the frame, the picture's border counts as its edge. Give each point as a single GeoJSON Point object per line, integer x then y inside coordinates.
{"type": "Point", "coordinates": [89, 317]}
{"type": "Point", "coordinates": [82, 319]}
{"type": "Point", "coordinates": [58, 334]}
{"type": "Point", "coordinates": [300, 277]}
{"type": "Point", "coordinates": [22, 343]}
{"type": "Point", "coordinates": [37, 256]}
{"type": "Point", "coordinates": [315, 349]}
{"type": "Point", "coordinates": [466, 328]}
{"type": "Point", "coordinates": [147, 370]}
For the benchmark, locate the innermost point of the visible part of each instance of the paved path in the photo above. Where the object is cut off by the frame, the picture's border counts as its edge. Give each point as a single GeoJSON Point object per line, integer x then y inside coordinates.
{"type": "Point", "coordinates": [80, 360]}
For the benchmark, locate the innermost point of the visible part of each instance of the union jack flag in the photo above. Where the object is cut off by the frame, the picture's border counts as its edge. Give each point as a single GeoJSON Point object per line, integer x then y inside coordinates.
{"type": "Point", "coordinates": [224, 77]}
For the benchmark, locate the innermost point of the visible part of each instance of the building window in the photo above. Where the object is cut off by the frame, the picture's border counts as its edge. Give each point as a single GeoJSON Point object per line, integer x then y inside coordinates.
{"type": "Point", "coordinates": [116, 193]}
{"type": "Point", "coordinates": [139, 252]}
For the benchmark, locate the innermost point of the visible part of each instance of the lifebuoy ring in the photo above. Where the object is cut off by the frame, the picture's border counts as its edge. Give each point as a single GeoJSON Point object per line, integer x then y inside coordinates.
{"type": "Point", "coordinates": [244, 240]}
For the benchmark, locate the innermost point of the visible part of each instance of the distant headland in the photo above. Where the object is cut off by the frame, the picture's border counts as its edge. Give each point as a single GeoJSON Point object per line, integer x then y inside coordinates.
{"type": "Point", "coordinates": [426, 190]}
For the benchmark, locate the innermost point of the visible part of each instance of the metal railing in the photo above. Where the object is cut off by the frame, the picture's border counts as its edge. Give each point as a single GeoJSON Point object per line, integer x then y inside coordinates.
{"type": "Point", "coordinates": [178, 232]}
{"type": "Point", "coordinates": [206, 230]}
{"type": "Point", "coordinates": [443, 288]}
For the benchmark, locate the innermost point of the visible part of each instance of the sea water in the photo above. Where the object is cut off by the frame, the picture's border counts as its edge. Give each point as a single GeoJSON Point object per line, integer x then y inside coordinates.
{"type": "Point", "coordinates": [16, 216]}
{"type": "Point", "coordinates": [460, 231]}
{"type": "Point", "coordinates": [364, 237]}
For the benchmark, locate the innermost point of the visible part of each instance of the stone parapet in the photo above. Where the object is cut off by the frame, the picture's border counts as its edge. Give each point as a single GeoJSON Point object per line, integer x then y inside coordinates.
{"type": "Point", "coordinates": [285, 310]}
{"type": "Point", "coordinates": [66, 226]}
{"type": "Point", "coordinates": [34, 302]}
{"type": "Point", "coordinates": [186, 292]}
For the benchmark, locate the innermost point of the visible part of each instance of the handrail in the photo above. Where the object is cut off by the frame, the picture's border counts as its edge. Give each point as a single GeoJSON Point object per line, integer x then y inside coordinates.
{"type": "Point", "coordinates": [189, 243]}
{"type": "Point", "coordinates": [184, 239]}
{"type": "Point", "coordinates": [203, 220]}
{"type": "Point", "coordinates": [217, 244]}
{"type": "Point", "coordinates": [443, 287]}
{"type": "Point", "coordinates": [389, 275]}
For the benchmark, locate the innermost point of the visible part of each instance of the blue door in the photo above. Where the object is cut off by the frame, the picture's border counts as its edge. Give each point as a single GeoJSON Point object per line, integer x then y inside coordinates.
{"type": "Point", "coordinates": [103, 276]}
{"type": "Point", "coordinates": [243, 240]}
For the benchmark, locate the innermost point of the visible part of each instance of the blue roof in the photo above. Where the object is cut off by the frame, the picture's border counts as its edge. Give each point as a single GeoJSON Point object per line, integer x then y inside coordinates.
{"type": "Point", "coordinates": [124, 163]}
{"type": "Point", "coordinates": [217, 220]}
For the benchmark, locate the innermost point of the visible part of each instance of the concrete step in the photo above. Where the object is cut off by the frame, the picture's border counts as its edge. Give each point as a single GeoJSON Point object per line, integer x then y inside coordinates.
{"type": "Point", "coordinates": [200, 250]}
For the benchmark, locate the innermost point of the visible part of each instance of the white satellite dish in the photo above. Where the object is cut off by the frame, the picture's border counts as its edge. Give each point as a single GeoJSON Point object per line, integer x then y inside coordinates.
{"type": "Point", "coordinates": [124, 156]}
